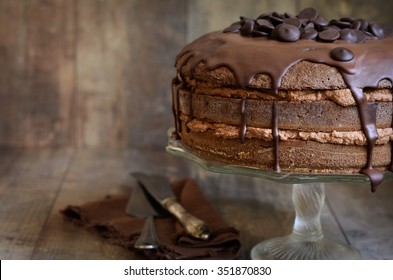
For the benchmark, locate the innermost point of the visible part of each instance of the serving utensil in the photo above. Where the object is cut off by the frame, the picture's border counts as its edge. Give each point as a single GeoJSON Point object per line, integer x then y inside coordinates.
{"type": "Point", "coordinates": [160, 189]}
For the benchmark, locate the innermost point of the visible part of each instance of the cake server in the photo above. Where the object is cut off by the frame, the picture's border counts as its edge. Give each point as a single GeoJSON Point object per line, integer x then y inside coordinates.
{"type": "Point", "coordinates": [141, 204]}
{"type": "Point", "coordinates": [160, 188]}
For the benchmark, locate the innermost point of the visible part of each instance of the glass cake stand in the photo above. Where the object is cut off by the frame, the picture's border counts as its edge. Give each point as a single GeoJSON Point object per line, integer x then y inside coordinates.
{"type": "Point", "coordinates": [306, 242]}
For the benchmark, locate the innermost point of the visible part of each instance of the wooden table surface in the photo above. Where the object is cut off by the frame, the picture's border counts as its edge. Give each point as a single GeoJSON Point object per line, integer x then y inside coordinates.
{"type": "Point", "coordinates": [36, 183]}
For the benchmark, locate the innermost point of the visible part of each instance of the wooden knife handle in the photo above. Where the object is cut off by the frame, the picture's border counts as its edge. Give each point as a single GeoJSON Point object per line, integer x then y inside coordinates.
{"type": "Point", "coordinates": [194, 226]}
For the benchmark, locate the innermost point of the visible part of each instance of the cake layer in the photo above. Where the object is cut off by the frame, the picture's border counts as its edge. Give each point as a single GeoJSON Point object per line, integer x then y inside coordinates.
{"type": "Point", "coordinates": [300, 76]}
{"type": "Point", "coordinates": [323, 115]}
{"type": "Point", "coordinates": [294, 155]}
{"type": "Point", "coordinates": [342, 97]}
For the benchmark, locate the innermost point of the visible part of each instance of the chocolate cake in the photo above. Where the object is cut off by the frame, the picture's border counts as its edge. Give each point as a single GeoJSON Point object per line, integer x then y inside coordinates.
{"type": "Point", "coordinates": [289, 93]}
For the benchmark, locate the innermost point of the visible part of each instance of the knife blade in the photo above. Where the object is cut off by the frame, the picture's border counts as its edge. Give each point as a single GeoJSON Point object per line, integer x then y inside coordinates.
{"type": "Point", "coordinates": [160, 188]}
{"type": "Point", "coordinates": [140, 204]}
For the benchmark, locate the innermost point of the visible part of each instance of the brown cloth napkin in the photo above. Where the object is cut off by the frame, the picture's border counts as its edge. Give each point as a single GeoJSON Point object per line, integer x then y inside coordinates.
{"type": "Point", "coordinates": [107, 218]}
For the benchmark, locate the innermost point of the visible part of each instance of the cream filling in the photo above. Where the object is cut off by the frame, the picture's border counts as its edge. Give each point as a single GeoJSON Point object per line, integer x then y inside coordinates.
{"type": "Point", "coordinates": [334, 137]}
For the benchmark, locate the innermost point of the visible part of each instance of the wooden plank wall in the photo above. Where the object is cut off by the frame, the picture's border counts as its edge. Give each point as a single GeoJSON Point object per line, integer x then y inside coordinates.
{"type": "Point", "coordinates": [37, 78]}
{"type": "Point", "coordinates": [97, 73]}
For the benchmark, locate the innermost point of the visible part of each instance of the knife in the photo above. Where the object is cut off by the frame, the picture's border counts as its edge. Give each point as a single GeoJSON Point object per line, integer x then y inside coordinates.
{"type": "Point", "coordinates": [140, 204]}
{"type": "Point", "coordinates": [160, 188]}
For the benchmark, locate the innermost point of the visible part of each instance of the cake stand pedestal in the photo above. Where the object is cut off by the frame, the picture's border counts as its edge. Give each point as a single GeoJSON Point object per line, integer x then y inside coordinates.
{"type": "Point", "coordinates": [308, 194]}
{"type": "Point", "coordinates": [306, 240]}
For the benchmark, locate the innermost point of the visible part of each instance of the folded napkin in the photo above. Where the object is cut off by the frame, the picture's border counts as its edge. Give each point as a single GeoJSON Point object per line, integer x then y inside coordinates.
{"type": "Point", "coordinates": [107, 218]}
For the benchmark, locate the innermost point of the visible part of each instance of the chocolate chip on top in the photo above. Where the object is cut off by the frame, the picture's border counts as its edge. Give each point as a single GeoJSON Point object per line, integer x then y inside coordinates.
{"type": "Point", "coordinates": [341, 54]}
{"type": "Point", "coordinates": [308, 25]}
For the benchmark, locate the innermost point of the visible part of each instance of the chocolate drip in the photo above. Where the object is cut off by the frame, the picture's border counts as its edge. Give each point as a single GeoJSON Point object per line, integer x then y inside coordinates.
{"type": "Point", "coordinates": [243, 127]}
{"type": "Point", "coordinates": [176, 106]}
{"type": "Point", "coordinates": [246, 57]}
{"type": "Point", "coordinates": [376, 177]}
{"type": "Point", "coordinates": [368, 118]}
{"type": "Point", "coordinates": [191, 116]}
{"type": "Point", "coordinates": [276, 137]}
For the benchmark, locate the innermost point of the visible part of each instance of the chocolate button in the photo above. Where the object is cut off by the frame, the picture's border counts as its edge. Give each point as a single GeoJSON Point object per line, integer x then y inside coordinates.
{"type": "Point", "coordinates": [356, 25]}
{"type": "Point", "coordinates": [244, 19]}
{"type": "Point", "coordinates": [347, 19]}
{"type": "Point", "coordinates": [247, 27]}
{"type": "Point", "coordinates": [341, 54]}
{"type": "Point", "coordinates": [276, 20]}
{"type": "Point", "coordinates": [320, 22]}
{"type": "Point", "coordinates": [304, 21]}
{"type": "Point", "coordinates": [264, 25]}
{"type": "Point", "coordinates": [256, 33]}
{"type": "Point", "coordinates": [376, 29]}
{"type": "Point", "coordinates": [233, 28]}
{"type": "Point", "coordinates": [277, 15]}
{"type": "Point", "coordinates": [368, 35]}
{"type": "Point", "coordinates": [361, 36]}
{"type": "Point", "coordinates": [349, 35]}
{"type": "Point", "coordinates": [309, 25]}
{"type": "Point", "coordinates": [329, 35]}
{"type": "Point", "coordinates": [264, 15]}
{"type": "Point", "coordinates": [310, 34]}
{"type": "Point", "coordinates": [293, 21]}
{"type": "Point", "coordinates": [363, 24]}
{"type": "Point", "coordinates": [308, 13]}
{"type": "Point", "coordinates": [286, 33]}
{"type": "Point", "coordinates": [340, 24]}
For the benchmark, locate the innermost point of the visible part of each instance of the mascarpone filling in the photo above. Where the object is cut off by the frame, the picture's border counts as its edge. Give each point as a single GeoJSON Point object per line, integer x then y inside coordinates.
{"type": "Point", "coordinates": [334, 137]}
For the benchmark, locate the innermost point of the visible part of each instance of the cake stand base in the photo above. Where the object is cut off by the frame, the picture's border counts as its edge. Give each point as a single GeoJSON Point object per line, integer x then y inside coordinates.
{"type": "Point", "coordinates": [292, 247]}
{"type": "Point", "coordinates": [306, 242]}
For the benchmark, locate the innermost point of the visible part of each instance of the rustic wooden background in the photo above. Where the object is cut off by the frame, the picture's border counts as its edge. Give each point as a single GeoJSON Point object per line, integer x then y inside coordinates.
{"type": "Point", "coordinates": [85, 99]}
{"type": "Point", "coordinates": [97, 73]}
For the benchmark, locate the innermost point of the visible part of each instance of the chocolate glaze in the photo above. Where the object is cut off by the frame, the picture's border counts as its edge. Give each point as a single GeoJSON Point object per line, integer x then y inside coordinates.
{"type": "Point", "coordinates": [247, 56]}
{"type": "Point", "coordinates": [191, 116]}
{"type": "Point", "coordinates": [176, 85]}
{"type": "Point", "coordinates": [276, 137]}
{"type": "Point", "coordinates": [243, 127]}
